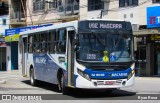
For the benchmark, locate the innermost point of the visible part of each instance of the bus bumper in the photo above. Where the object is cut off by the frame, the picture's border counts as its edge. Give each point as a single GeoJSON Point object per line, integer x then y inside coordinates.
{"type": "Point", "coordinates": [104, 84]}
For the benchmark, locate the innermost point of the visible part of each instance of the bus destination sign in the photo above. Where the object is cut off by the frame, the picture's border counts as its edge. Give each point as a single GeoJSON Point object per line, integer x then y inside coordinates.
{"type": "Point", "coordinates": [101, 25]}
{"type": "Point", "coordinates": [87, 25]}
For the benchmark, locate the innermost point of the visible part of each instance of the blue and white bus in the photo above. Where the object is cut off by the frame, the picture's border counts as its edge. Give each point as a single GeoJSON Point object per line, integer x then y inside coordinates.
{"type": "Point", "coordinates": [90, 54]}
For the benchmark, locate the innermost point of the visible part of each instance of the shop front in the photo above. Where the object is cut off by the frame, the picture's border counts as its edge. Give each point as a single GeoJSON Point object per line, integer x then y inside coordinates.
{"type": "Point", "coordinates": [147, 45]}
{"type": "Point", "coordinates": [147, 52]}
{"type": "Point", "coordinates": [156, 40]}
{"type": "Point", "coordinates": [4, 48]}
{"type": "Point", "coordinates": [12, 38]}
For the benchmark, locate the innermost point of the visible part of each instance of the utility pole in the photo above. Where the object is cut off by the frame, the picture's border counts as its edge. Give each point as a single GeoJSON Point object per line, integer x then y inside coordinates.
{"type": "Point", "coordinates": [101, 14]}
{"type": "Point", "coordinates": [29, 12]}
{"type": "Point", "coordinates": [24, 11]}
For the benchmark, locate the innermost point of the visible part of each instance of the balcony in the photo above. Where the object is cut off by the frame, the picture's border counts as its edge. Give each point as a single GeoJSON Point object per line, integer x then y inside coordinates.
{"type": "Point", "coordinates": [17, 18]}
{"type": "Point", "coordinates": [68, 9]}
{"type": "Point", "coordinates": [16, 14]}
{"type": "Point", "coordinates": [3, 7]}
{"type": "Point", "coordinates": [52, 12]}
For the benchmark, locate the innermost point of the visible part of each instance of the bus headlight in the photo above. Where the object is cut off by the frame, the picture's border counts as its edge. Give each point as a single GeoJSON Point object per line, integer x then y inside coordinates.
{"type": "Point", "coordinates": [130, 74]}
{"type": "Point", "coordinates": [83, 74]}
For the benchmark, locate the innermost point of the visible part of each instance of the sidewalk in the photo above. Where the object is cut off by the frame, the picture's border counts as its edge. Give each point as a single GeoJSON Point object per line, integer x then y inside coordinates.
{"type": "Point", "coordinates": [4, 75]}
{"type": "Point", "coordinates": [147, 78]}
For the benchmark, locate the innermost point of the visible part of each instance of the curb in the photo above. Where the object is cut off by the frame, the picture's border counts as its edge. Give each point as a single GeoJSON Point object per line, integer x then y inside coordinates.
{"type": "Point", "coordinates": [2, 81]}
{"type": "Point", "coordinates": [147, 78]}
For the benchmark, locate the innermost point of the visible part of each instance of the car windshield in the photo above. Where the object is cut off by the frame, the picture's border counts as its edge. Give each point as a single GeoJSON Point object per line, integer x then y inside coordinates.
{"type": "Point", "coordinates": [104, 47]}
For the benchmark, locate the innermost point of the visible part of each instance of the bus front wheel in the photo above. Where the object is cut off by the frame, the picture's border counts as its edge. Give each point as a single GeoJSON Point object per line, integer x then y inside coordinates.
{"type": "Point", "coordinates": [32, 77]}
{"type": "Point", "coordinates": [63, 87]}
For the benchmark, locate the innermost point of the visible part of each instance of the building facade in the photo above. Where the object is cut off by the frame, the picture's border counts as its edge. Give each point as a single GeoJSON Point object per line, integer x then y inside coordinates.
{"type": "Point", "coordinates": [147, 56]}
{"type": "Point", "coordinates": [5, 63]}
{"type": "Point", "coordinates": [37, 12]}
{"type": "Point", "coordinates": [51, 11]}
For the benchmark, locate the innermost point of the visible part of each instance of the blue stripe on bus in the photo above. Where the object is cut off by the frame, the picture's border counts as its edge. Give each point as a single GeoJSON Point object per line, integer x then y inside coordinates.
{"type": "Point", "coordinates": [108, 74]}
{"type": "Point", "coordinates": [45, 68]}
{"type": "Point", "coordinates": [50, 56]}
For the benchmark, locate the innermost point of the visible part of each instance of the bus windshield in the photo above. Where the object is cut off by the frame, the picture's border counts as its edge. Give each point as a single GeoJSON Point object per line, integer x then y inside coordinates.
{"type": "Point", "coordinates": [103, 47]}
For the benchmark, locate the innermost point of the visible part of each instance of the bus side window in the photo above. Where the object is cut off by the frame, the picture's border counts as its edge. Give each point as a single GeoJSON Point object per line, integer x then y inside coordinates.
{"type": "Point", "coordinates": [43, 42]}
{"type": "Point", "coordinates": [30, 43]}
{"type": "Point", "coordinates": [37, 43]}
{"type": "Point", "coordinates": [61, 41]}
{"type": "Point", "coordinates": [51, 41]}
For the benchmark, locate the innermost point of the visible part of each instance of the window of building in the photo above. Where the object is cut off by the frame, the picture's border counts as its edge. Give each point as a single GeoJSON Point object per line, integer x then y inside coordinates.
{"type": "Point", "coordinates": [3, 21]}
{"type": "Point", "coordinates": [125, 3]}
{"type": "Point", "coordinates": [131, 15]}
{"type": "Point", "coordinates": [38, 5]}
{"type": "Point", "coordinates": [125, 16]}
{"type": "Point", "coordinates": [53, 4]}
{"type": "Point", "coordinates": [0, 3]}
{"type": "Point", "coordinates": [95, 5]}
{"type": "Point", "coordinates": [155, 1]}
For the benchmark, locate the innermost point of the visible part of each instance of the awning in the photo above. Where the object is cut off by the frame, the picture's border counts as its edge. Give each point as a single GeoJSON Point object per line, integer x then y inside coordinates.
{"type": "Point", "coordinates": [146, 32]}
{"type": "Point", "coordinates": [11, 38]}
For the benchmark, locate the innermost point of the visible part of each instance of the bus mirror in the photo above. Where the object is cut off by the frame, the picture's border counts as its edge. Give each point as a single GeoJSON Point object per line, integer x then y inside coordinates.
{"type": "Point", "coordinates": [76, 48]}
{"type": "Point", "coordinates": [76, 40]}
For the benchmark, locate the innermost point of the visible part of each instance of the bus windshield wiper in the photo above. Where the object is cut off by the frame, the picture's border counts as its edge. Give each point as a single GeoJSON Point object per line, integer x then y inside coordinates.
{"type": "Point", "coordinates": [99, 39]}
{"type": "Point", "coordinates": [118, 39]}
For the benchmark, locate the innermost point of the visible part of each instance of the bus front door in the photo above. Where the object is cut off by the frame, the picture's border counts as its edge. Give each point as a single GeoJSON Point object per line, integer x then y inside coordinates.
{"type": "Point", "coordinates": [70, 56]}
{"type": "Point", "coordinates": [24, 56]}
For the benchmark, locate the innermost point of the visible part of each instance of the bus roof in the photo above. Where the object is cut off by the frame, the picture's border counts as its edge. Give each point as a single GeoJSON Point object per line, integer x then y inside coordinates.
{"type": "Point", "coordinates": [61, 25]}
{"type": "Point", "coordinates": [72, 23]}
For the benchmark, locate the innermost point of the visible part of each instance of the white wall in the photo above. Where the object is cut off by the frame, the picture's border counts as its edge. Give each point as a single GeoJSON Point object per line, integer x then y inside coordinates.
{"type": "Point", "coordinates": [109, 11]}
{"type": "Point", "coordinates": [113, 11]}
{"type": "Point", "coordinates": [8, 58]}
{"type": "Point", "coordinates": [83, 9]}
{"type": "Point", "coordinates": [3, 27]}
{"type": "Point", "coordinates": [131, 15]}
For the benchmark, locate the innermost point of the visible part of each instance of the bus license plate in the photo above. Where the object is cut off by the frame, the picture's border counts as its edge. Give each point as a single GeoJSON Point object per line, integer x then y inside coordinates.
{"type": "Point", "coordinates": [109, 82]}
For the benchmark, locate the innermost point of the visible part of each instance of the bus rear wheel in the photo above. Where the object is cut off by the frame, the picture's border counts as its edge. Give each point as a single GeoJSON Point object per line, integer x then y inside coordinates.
{"type": "Point", "coordinates": [64, 89]}
{"type": "Point", "coordinates": [32, 77]}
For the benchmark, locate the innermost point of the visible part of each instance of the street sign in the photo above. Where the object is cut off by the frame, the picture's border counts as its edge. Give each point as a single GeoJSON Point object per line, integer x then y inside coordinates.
{"type": "Point", "coordinates": [15, 31]}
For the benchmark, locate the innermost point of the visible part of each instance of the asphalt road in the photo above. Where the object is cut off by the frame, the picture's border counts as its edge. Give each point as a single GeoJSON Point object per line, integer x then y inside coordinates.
{"type": "Point", "coordinates": [144, 87]}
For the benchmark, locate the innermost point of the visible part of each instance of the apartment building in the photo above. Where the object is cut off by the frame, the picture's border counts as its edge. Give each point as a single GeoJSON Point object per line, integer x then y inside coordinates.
{"type": "Point", "coordinates": [51, 11]}
{"type": "Point", "coordinates": [37, 12]}
{"type": "Point", "coordinates": [142, 14]}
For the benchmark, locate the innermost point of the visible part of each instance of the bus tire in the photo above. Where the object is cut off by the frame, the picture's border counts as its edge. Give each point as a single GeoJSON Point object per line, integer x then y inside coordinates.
{"type": "Point", "coordinates": [63, 87]}
{"type": "Point", "coordinates": [32, 77]}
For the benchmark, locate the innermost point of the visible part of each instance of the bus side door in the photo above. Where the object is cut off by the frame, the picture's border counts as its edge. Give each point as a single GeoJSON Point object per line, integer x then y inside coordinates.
{"type": "Point", "coordinates": [24, 57]}
{"type": "Point", "coordinates": [70, 55]}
